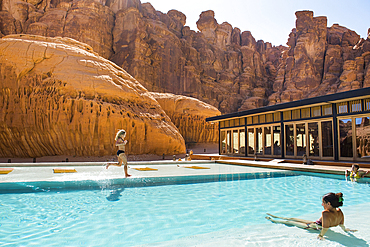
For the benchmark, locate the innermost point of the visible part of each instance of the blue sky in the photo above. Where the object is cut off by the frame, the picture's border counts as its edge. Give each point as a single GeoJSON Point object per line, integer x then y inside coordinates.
{"type": "Point", "coordinates": [272, 20]}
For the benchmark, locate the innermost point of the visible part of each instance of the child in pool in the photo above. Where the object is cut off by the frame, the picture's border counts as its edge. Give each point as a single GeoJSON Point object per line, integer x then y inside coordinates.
{"type": "Point", "coordinates": [120, 143]}
{"type": "Point", "coordinates": [331, 216]}
{"type": "Point", "coordinates": [355, 172]}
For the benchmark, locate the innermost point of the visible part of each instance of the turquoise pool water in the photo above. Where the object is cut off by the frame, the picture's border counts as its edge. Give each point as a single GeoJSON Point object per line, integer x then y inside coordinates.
{"type": "Point", "coordinates": [126, 215]}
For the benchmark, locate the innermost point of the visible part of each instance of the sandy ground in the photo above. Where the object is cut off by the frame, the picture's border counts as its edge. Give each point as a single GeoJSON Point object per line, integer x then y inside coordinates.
{"type": "Point", "coordinates": [199, 148]}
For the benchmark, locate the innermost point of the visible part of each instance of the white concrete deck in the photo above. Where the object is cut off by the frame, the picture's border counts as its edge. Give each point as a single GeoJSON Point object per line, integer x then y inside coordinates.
{"type": "Point", "coordinates": [24, 172]}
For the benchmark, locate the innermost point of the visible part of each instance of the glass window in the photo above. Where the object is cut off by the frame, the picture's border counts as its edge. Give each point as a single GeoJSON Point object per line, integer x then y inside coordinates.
{"type": "Point", "coordinates": [277, 116]}
{"type": "Point", "coordinates": [235, 141]}
{"type": "Point", "coordinates": [363, 136]}
{"type": "Point", "coordinates": [227, 123]}
{"type": "Point", "coordinates": [255, 120]}
{"type": "Point", "coordinates": [296, 114]}
{"type": "Point", "coordinates": [342, 108]}
{"type": "Point", "coordinates": [262, 118]}
{"type": "Point", "coordinates": [268, 140]}
{"type": "Point", "coordinates": [237, 122]}
{"type": "Point", "coordinates": [327, 110]}
{"type": "Point", "coordinates": [269, 118]}
{"type": "Point", "coordinates": [242, 121]}
{"type": "Point", "coordinates": [277, 144]}
{"type": "Point", "coordinates": [355, 105]}
{"type": "Point", "coordinates": [251, 147]}
{"type": "Point", "coordinates": [345, 138]}
{"type": "Point", "coordinates": [289, 139]}
{"type": "Point", "coordinates": [222, 124]}
{"type": "Point", "coordinates": [367, 104]}
{"type": "Point", "coordinates": [287, 115]}
{"type": "Point", "coordinates": [242, 141]}
{"type": "Point", "coordinates": [316, 111]}
{"type": "Point", "coordinates": [313, 139]}
{"type": "Point", "coordinates": [232, 122]}
{"type": "Point", "coordinates": [327, 139]}
{"type": "Point", "coordinates": [305, 113]}
{"type": "Point", "coordinates": [301, 139]}
{"type": "Point", "coordinates": [228, 141]}
{"type": "Point", "coordinates": [259, 141]}
{"type": "Point", "coordinates": [223, 142]}
{"type": "Point", "coordinates": [249, 120]}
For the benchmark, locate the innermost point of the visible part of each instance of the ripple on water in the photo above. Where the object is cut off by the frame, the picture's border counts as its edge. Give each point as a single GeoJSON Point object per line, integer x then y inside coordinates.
{"type": "Point", "coordinates": [135, 216]}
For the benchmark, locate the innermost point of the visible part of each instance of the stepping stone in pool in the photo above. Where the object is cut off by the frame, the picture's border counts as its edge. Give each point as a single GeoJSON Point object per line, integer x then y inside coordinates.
{"type": "Point", "coordinates": [197, 167]}
{"type": "Point", "coordinates": [63, 170]}
{"type": "Point", "coordinates": [6, 170]}
{"type": "Point", "coordinates": [146, 169]}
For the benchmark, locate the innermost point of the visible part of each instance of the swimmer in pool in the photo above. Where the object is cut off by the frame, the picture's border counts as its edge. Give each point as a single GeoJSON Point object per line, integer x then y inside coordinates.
{"type": "Point", "coordinates": [355, 172]}
{"type": "Point", "coordinates": [120, 143]}
{"type": "Point", "coordinates": [331, 216]}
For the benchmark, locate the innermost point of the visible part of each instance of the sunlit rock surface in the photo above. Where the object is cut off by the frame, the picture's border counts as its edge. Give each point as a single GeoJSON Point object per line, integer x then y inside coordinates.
{"type": "Point", "coordinates": [220, 65]}
{"type": "Point", "coordinates": [189, 114]}
{"type": "Point", "coordinates": [321, 61]}
{"type": "Point", "coordinates": [58, 97]}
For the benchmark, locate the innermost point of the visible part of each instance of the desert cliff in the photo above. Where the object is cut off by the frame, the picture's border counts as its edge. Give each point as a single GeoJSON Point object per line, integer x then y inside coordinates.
{"type": "Point", "coordinates": [59, 97]}
{"type": "Point", "coordinates": [189, 116]}
{"type": "Point", "coordinates": [46, 111]}
{"type": "Point", "coordinates": [220, 65]}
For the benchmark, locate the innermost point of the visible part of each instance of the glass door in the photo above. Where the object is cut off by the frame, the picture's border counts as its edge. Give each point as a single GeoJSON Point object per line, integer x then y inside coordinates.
{"type": "Point", "coordinates": [267, 140]}
{"type": "Point", "coordinates": [251, 145]}
{"type": "Point", "coordinates": [277, 138]}
{"type": "Point", "coordinates": [223, 142]}
{"type": "Point", "coordinates": [289, 140]}
{"type": "Point", "coordinates": [345, 138]}
{"type": "Point", "coordinates": [242, 141]}
{"type": "Point", "coordinates": [301, 139]}
{"type": "Point", "coordinates": [235, 141]}
{"type": "Point", "coordinates": [313, 140]}
{"type": "Point", "coordinates": [363, 137]}
{"type": "Point", "coordinates": [327, 139]}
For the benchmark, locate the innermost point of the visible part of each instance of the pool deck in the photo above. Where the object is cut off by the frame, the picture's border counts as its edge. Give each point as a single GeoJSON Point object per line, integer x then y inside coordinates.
{"type": "Point", "coordinates": [52, 171]}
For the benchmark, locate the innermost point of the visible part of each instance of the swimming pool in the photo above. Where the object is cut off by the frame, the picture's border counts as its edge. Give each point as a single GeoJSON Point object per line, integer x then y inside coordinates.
{"type": "Point", "coordinates": [123, 213]}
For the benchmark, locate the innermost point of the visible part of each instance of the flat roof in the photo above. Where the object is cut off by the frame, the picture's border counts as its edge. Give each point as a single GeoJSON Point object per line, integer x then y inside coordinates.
{"type": "Point", "coordinates": [330, 98]}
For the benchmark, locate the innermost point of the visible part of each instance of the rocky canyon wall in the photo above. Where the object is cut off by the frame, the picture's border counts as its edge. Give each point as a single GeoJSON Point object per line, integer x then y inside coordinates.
{"type": "Point", "coordinates": [219, 65]}
{"type": "Point", "coordinates": [58, 97]}
{"type": "Point", "coordinates": [189, 115]}
{"type": "Point", "coordinates": [321, 61]}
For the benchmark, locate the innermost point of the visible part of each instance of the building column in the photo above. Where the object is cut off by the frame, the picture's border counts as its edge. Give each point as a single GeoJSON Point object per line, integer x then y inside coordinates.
{"type": "Point", "coordinates": [335, 132]}
{"type": "Point", "coordinates": [282, 137]}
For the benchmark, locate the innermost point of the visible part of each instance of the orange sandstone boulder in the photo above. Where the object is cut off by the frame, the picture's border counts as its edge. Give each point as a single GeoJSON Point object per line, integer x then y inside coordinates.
{"type": "Point", "coordinates": [189, 115]}
{"type": "Point", "coordinates": [58, 97]}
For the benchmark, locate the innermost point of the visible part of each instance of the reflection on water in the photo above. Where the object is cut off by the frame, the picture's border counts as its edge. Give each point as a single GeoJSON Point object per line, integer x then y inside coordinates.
{"type": "Point", "coordinates": [115, 194]}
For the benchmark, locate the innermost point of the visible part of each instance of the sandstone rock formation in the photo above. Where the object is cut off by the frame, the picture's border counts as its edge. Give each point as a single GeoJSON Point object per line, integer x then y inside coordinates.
{"type": "Point", "coordinates": [189, 115]}
{"type": "Point", "coordinates": [58, 97]}
{"type": "Point", "coordinates": [220, 65]}
{"type": "Point", "coordinates": [321, 61]}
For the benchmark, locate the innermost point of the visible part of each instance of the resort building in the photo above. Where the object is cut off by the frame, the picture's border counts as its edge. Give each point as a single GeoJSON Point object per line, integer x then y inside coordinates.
{"type": "Point", "coordinates": [330, 127]}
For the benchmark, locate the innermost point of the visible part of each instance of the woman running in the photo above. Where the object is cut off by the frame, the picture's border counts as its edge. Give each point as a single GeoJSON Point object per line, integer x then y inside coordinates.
{"type": "Point", "coordinates": [120, 143]}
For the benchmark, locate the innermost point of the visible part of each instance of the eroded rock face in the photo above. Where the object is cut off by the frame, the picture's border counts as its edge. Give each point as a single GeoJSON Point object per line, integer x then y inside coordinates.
{"type": "Point", "coordinates": [88, 21]}
{"type": "Point", "coordinates": [220, 65]}
{"type": "Point", "coordinates": [58, 97]}
{"type": "Point", "coordinates": [189, 115]}
{"type": "Point", "coordinates": [320, 61]}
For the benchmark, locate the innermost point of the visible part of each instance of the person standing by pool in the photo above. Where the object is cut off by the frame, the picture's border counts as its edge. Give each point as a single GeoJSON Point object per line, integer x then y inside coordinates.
{"type": "Point", "coordinates": [355, 172]}
{"type": "Point", "coordinates": [121, 144]}
{"type": "Point", "coordinates": [331, 216]}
